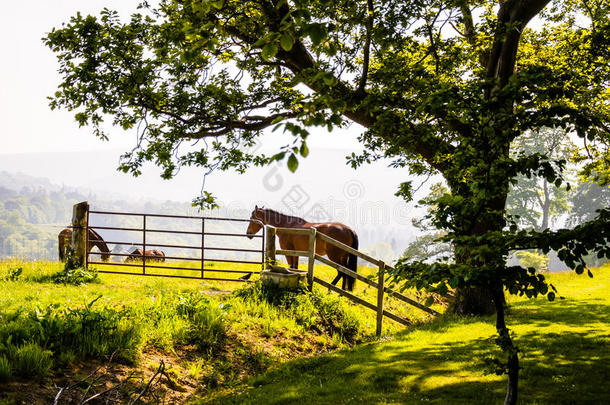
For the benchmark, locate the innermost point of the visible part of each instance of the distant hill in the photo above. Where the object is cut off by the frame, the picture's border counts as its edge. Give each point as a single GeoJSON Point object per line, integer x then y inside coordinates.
{"type": "Point", "coordinates": [34, 209]}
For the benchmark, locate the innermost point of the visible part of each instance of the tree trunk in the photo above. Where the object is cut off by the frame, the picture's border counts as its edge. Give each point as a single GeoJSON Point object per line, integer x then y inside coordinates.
{"type": "Point", "coordinates": [472, 301]}
{"type": "Point", "coordinates": [506, 344]}
{"type": "Point", "coordinates": [480, 300]}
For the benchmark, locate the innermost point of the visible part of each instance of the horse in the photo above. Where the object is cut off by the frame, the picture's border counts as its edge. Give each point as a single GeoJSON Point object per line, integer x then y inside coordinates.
{"type": "Point", "coordinates": [95, 239]}
{"type": "Point", "coordinates": [153, 255]}
{"type": "Point", "coordinates": [335, 230]}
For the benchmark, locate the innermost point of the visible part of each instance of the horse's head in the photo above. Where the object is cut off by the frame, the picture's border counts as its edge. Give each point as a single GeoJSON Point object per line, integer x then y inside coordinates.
{"type": "Point", "coordinates": [105, 256]}
{"type": "Point", "coordinates": [257, 219]}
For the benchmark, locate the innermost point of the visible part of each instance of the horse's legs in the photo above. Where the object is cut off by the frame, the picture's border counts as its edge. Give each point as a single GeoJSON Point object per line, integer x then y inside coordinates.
{"type": "Point", "coordinates": [293, 262]}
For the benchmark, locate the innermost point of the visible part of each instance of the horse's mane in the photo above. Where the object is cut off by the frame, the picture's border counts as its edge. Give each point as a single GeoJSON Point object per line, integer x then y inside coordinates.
{"type": "Point", "coordinates": [289, 218]}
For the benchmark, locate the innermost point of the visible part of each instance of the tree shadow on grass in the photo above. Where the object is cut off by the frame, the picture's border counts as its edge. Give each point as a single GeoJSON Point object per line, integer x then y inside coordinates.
{"type": "Point", "coordinates": [556, 368]}
{"type": "Point", "coordinates": [564, 312]}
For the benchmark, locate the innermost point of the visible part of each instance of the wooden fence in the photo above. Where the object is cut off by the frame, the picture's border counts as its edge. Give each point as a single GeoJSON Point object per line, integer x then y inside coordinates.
{"type": "Point", "coordinates": [310, 254]}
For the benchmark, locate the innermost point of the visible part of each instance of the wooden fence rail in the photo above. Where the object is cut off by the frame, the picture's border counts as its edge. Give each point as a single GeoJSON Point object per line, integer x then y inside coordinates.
{"type": "Point", "coordinates": [379, 285]}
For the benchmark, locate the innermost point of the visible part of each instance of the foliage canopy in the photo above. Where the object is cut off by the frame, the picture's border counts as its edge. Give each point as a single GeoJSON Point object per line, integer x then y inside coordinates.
{"type": "Point", "coordinates": [439, 86]}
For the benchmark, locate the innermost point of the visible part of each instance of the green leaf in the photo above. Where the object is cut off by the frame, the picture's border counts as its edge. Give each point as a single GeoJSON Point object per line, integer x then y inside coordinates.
{"type": "Point", "coordinates": [304, 150]}
{"type": "Point", "coordinates": [286, 41]}
{"type": "Point", "coordinates": [262, 41]}
{"type": "Point", "coordinates": [278, 156]}
{"type": "Point", "coordinates": [293, 163]}
{"type": "Point", "coordinates": [316, 33]}
{"type": "Point", "coordinates": [269, 51]}
{"type": "Point", "coordinates": [329, 79]}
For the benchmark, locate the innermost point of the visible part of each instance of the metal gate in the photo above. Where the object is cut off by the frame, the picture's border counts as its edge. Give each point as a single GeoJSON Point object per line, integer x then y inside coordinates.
{"type": "Point", "coordinates": [199, 264]}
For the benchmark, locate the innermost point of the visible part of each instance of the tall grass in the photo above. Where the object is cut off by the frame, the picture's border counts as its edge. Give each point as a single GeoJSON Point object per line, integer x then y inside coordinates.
{"type": "Point", "coordinates": [31, 340]}
{"type": "Point", "coordinates": [235, 335]}
{"type": "Point", "coordinates": [314, 311]}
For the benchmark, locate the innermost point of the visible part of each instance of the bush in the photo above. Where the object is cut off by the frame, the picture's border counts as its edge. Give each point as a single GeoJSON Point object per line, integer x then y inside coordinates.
{"type": "Point", "coordinates": [185, 319]}
{"type": "Point", "coordinates": [259, 292]}
{"type": "Point", "coordinates": [13, 274]}
{"type": "Point", "coordinates": [87, 332]}
{"type": "Point", "coordinates": [207, 327]}
{"type": "Point", "coordinates": [535, 260]}
{"type": "Point", "coordinates": [336, 318]}
{"type": "Point", "coordinates": [78, 276]}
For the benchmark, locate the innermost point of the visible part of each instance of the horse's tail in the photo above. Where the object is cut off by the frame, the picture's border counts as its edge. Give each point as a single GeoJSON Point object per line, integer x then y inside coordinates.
{"type": "Point", "coordinates": [352, 263]}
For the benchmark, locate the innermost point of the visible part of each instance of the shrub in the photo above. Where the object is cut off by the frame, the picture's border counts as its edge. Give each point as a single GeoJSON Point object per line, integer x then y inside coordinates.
{"type": "Point", "coordinates": [87, 332]}
{"type": "Point", "coordinates": [185, 319]}
{"type": "Point", "coordinates": [31, 341]}
{"type": "Point", "coordinates": [535, 260]}
{"type": "Point", "coordinates": [78, 276]}
{"type": "Point", "coordinates": [207, 326]}
{"type": "Point", "coordinates": [336, 318]}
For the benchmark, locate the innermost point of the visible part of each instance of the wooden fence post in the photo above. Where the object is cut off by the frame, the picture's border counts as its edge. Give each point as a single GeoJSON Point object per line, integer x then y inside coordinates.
{"type": "Point", "coordinates": [269, 247]}
{"type": "Point", "coordinates": [311, 257]}
{"type": "Point", "coordinates": [380, 289]}
{"type": "Point", "coordinates": [79, 233]}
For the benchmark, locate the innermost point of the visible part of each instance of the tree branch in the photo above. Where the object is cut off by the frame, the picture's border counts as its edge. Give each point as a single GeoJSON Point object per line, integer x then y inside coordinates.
{"type": "Point", "coordinates": [302, 64]}
{"type": "Point", "coordinates": [469, 31]}
{"type": "Point", "coordinates": [513, 17]}
{"type": "Point", "coordinates": [224, 127]}
{"type": "Point", "coordinates": [367, 48]}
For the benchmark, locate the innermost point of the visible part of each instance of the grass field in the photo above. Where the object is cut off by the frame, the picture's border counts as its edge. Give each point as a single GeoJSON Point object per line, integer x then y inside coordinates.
{"type": "Point", "coordinates": [565, 358]}
{"type": "Point", "coordinates": [158, 318]}
{"type": "Point", "coordinates": [258, 346]}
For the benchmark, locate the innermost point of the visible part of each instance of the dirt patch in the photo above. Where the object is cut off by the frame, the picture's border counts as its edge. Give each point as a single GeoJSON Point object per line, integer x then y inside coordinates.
{"type": "Point", "coordinates": [106, 382]}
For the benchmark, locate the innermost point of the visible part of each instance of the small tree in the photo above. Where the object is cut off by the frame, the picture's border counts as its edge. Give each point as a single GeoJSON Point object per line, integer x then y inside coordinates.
{"type": "Point", "coordinates": [586, 198]}
{"type": "Point", "coordinates": [428, 247]}
{"type": "Point", "coordinates": [534, 200]}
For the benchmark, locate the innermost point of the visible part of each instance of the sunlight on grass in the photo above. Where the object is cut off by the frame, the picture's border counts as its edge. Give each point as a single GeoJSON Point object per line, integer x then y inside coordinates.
{"type": "Point", "coordinates": [565, 345]}
{"type": "Point", "coordinates": [565, 358]}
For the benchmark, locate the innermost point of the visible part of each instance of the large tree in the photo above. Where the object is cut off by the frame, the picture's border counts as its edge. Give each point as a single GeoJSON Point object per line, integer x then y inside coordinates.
{"type": "Point", "coordinates": [439, 87]}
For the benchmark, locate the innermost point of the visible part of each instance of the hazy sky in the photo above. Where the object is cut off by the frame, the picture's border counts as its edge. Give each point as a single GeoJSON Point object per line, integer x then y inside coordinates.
{"type": "Point", "coordinates": [41, 142]}
{"type": "Point", "coordinates": [28, 75]}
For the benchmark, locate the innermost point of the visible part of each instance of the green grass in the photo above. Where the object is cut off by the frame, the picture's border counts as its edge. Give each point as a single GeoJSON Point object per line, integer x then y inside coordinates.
{"type": "Point", "coordinates": [263, 346]}
{"type": "Point", "coordinates": [215, 337]}
{"type": "Point", "coordinates": [565, 359]}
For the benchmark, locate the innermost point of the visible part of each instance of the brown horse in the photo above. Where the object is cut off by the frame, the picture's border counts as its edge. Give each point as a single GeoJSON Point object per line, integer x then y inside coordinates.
{"type": "Point", "coordinates": [95, 239]}
{"type": "Point", "coordinates": [335, 230]}
{"type": "Point", "coordinates": [153, 255]}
